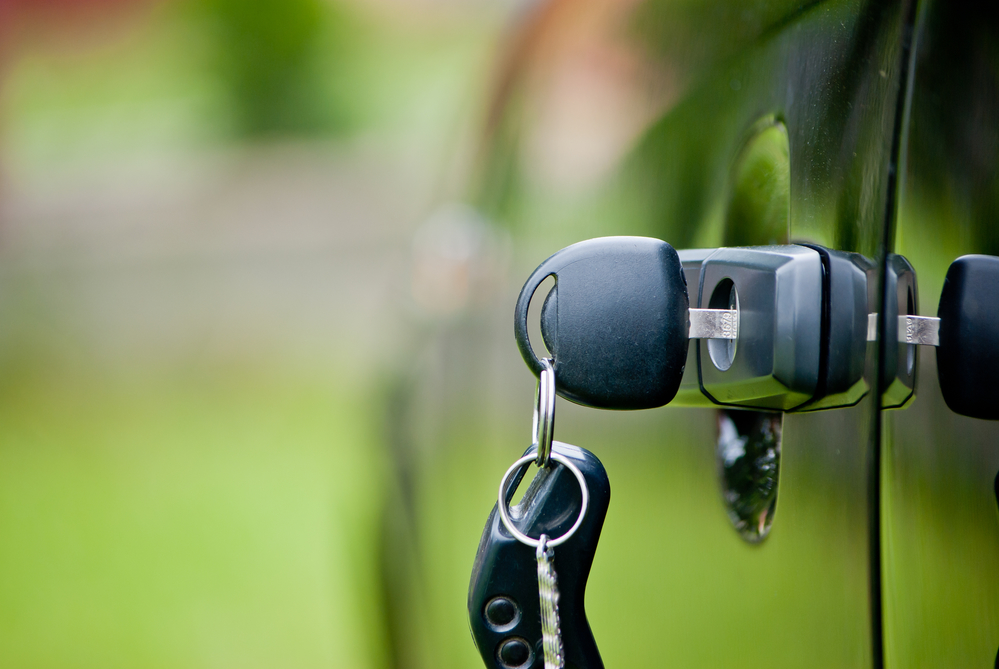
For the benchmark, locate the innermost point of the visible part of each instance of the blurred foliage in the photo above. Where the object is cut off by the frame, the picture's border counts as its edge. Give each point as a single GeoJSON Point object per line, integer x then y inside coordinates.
{"type": "Point", "coordinates": [165, 502]}
{"type": "Point", "coordinates": [699, 35]}
{"type": "Point", "coordinates": [282, 62]}
{"type": "Point", "coordinates": [196, 74]}
{"type": "Point", "coordinates": [676, 178]}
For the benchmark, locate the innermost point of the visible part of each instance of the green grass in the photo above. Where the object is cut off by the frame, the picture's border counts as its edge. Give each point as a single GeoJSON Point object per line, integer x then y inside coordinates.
{"type": "Point", "coordinates": [207, 520]}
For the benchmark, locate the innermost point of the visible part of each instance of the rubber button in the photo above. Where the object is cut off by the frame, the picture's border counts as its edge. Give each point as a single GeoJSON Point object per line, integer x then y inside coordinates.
{"type": "Point", "coordinates": [514, 653]}
{"type": "Point", "coordinates": [501, 611]}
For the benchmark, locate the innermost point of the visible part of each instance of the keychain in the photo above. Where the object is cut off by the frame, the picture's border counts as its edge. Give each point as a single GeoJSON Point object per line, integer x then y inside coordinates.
{"type": "Point", "coordinates": [525, 602]}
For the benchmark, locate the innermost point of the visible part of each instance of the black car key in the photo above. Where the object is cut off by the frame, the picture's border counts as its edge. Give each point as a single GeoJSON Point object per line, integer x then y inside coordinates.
{"type": "Point", "coordinates": [968, 353]}
{"type": "Point", "coordinates": [504, 609]}
{"type": "Point", "coordinates": [616, 322]}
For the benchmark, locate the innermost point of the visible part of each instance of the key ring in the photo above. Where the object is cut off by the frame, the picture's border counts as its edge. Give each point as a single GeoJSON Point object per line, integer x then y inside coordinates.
{"type": "Point", "coordinates": [505, 513]}
{"type": "Point", "coordinates": [543, 428]}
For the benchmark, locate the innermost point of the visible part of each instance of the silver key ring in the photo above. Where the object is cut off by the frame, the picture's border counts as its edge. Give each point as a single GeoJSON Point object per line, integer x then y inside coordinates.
{"type": "Point", "coordinates": [505, 513]}
{"type": "Point", "coordinates": [543, 428]}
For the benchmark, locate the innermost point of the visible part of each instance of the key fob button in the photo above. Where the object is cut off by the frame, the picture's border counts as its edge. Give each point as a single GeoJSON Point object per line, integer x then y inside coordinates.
{"type": "Point", "coordinates": [502, 613]}
{"type": "Point", "coordinates": [514, 652]}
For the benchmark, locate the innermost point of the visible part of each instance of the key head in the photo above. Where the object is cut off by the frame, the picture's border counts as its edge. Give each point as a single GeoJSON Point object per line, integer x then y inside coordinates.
{"type": "Point", "coordinates": [504, 609]}
{"type": "Point", "coordinates": [615, 323]}
{"type": "Point", "coordinates": [968, 354]}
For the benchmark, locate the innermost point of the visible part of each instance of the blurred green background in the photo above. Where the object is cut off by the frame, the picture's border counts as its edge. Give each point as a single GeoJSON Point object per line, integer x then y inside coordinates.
{"type": "Point", "coordinates": [257, 378]}
{"type": "Point", "coordinates": [206, 217]}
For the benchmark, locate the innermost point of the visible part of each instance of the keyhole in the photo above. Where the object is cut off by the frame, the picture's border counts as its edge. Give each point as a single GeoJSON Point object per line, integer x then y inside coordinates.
{"type": "Point", "coordinates": [722, 351]}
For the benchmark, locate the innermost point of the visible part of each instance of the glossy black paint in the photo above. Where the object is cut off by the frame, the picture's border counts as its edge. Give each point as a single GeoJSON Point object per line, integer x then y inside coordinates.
{"type": "Point", "coordinates": [941, 528]}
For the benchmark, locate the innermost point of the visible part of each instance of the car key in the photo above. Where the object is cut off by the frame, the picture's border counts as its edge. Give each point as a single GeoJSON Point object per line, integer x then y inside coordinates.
{"type": "Point", "coordinates": [616, 322]}
{"type": "Point", "coordinates": [521, 615]}
{"type": "Point", "coordinates": [503, 600]}
{"type": "Point", "coordinates": [621, 314]}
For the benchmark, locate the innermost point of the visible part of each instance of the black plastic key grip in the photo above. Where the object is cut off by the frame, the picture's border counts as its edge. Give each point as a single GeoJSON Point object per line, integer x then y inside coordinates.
{"type": "Point", "coordinates": [504, 610]}
{"type": "Point", "coordinates": [968, 355]}
{"type": "Point", "coordinates": [616, 322]}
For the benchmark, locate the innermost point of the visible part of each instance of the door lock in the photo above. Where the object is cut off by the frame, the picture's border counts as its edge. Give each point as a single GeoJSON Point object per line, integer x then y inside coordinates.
{"type": "Point", "coordinates": [777, 295]}
{"type": "Point", "coordinates": [774, 328]}
{"type": "Point", "coordinates": [965, 333]}
{"type": "Point", "coordinates": [770, 328]}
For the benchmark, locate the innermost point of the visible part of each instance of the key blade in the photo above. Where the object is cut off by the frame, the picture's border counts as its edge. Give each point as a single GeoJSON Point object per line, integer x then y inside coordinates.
{"type": "Point", "coordinates": [872, 326]}
{"type": "Point", "coordinates": [924, 330]}
{"type": "Point", "coordinates": [714, 323]}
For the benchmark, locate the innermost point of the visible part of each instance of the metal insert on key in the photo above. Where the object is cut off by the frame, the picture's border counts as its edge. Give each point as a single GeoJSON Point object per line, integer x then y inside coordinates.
{"type": "Point", "coordinates": [714, 323]}
{"type": "Point", "coordinates": [899, 363]}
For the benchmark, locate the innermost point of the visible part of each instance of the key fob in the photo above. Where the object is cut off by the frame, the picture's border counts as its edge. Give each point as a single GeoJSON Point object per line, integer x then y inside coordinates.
{"type": "Point", "coordinates": [615, 323]}
{"type": "Point", "coordinates": [503, 603]}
